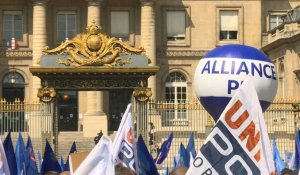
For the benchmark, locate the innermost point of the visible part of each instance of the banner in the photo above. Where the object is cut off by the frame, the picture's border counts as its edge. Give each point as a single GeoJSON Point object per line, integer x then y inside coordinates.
{"type": "Point", "coordinates": [124, 142]}
{"type": "Point", "coordinates": [239, 142]}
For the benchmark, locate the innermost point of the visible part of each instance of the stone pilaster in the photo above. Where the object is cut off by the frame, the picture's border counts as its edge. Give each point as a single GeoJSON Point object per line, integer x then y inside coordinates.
{"type": "Point", "coordinates": [148, 37]}
{"type": "Point", "coordinates": [39, 38]}
{"type": "Point", "coordinates": [94, 105]}
{"type": "Point", "coordinates": [94, 118]}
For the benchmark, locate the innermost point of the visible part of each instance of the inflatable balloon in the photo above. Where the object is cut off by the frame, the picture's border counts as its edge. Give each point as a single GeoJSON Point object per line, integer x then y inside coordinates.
{"type": "Point", "coordinates": [221, 71]}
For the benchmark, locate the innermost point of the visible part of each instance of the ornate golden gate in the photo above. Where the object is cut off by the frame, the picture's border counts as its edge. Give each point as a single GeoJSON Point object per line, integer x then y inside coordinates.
{"type": "Point", "coordinates": [94, 61]}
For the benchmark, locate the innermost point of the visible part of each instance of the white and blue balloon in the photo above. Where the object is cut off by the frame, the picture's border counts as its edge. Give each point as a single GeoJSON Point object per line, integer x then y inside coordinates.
{"type": "Point", "coordinates": [221, 71]}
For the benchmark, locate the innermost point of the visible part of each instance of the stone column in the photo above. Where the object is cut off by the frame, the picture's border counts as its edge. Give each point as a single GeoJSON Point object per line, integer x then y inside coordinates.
{"type": "Point", "coordinates": [94, 117]}
{"type": "Point", "coordinates": [39, 39]}
{"type": "Point", "coordinates": [148, 40]}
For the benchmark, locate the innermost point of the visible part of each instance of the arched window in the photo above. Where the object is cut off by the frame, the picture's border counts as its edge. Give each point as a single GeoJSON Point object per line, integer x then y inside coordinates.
{"type": "Point", "coordinates": [176, 93]}
{"type": "Point", "coordinates": [176, 87]}
{"type": "Point", "coordinates": [13, 86]}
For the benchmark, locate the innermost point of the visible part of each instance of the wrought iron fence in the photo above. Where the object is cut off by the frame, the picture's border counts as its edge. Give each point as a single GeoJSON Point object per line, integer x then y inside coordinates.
{"type": "Point", "coordinates": [187, 117]}
{"type": "Point", "coordinates": [282, 120]}
{"type": "Point", "coordinates": [34, 119]}
{"type": "Point", "coordinates": [154, 120]}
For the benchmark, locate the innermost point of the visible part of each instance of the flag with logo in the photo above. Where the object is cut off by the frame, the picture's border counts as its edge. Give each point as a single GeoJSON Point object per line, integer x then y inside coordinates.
{"type": "Point", "coordinates": [124, 143]}
{"type": "Point", "coordinates": [239, 142]}
{"type": "Point", "coordinates": [99, 161]}
{"type": "Point", "coordinates": [32, 168]}
{"type": "Point", "coordinates": [164, 150]}
{"type": "Point", "coordinates": [21, 156]}
{"type": "Point", "coordinates": [4, 168]}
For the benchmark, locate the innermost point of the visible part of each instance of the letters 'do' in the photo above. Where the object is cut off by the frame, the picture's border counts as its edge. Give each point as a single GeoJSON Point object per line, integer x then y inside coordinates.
{"type": "Point", "coordinates": [221, 71]}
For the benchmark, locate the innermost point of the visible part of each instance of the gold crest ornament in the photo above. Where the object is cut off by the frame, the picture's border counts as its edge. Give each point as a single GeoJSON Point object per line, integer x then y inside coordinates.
{"type": "Point", "coordinates": [46, 94]}
{"type": "Point", "coordinates": [92, 48]}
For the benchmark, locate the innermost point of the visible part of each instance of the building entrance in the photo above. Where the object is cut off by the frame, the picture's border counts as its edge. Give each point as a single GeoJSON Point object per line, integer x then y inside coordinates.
{"type": "Point", "coordinates": [67, 105]}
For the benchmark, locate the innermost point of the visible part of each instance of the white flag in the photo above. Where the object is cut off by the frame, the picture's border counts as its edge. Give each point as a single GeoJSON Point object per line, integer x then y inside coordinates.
{"type": "Point", "coordinates": [124, 142]}
{"type": "Point", "coordinates": [99, 161]}
{"type": "Point", "coordinates": [239, 142]}
{"type": "Point", "coordinates": [4, 169]}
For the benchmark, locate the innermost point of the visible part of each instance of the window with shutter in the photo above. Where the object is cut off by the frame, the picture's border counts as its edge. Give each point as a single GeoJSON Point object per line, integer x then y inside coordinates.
{"type": "Point", "coordinates": [228, 25]}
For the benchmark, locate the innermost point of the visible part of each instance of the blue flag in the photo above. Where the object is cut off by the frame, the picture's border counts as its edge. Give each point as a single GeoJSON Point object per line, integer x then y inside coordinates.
{"type": "Point", "coordinates": [32, 168]}
{"type": "Point", "coordinates": [146, 162]}
{"type": "Point", "coordinates": [10, 155]}
{"type": "Point", "coordinates": [175, 162]}
{"type": "Point", "coordinates": [72, 150]}
{"type": "Point", "coordinates": [62, 164]}
{"type": "Point", "coordinates": [21, 156]}
{"type": "Point", "coordinates": [167, 171]}
{"type": "Point", "coordinates": [50, 163]}
{"type": "Point", "coordinates": [164, 150]}
{"type": "Point", "coordinates": [183, 157]}
{"type": "Point", "coordinates": [191, 145]}
{"type": "Point", "coordinates": [297, 151]}
{"type": "Point", "coordinates": [40, 160]}
{"type": "Point", "coordinates": [279, 164]}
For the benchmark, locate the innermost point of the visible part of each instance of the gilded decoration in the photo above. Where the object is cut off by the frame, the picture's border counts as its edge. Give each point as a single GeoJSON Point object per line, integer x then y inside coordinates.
{"type": "Point", "coordinates": [46, 94]}
{"type": "Point", "coordinates": [142, 93]}
{"type": "Point", "coordinates": [93, 48]}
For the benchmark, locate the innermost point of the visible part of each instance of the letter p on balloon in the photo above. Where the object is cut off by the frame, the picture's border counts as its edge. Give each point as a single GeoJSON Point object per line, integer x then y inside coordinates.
{"type": "Point", "coordinates": [233, 85]}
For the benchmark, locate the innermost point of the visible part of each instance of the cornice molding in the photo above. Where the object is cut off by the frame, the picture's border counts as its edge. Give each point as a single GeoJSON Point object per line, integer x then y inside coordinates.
{"type": "Point", "coordinates": [16, 53]}
{"type": "Point", "coordinates": [182, 53]}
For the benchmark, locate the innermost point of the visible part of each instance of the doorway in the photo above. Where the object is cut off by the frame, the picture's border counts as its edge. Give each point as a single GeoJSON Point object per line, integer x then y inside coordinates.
{"type": "Point", "coordinates": [67, 106]}
{"type": "Point", "coordinates": [118, 101]}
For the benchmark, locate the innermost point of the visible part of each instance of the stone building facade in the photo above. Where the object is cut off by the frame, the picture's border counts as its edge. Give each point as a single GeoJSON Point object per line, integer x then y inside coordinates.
{"type": "Point", "coordinates": [174, 33]}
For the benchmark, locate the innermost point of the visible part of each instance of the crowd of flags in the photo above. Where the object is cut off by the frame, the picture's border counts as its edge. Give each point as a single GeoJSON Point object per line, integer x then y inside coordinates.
{"type": "Point", "coordinates": [250, 149]}
{"type": "Point", "coordinates": [22, 161]}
